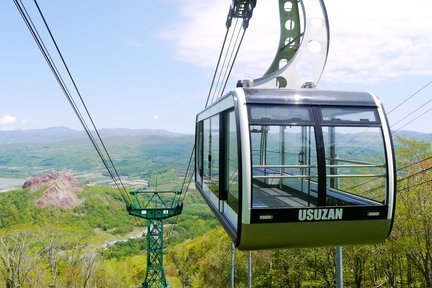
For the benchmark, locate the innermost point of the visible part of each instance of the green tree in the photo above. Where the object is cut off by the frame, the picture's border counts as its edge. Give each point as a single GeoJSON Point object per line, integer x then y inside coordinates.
{"type": "Point", "coordinates": [413, 226]}
{"type": "Point", "coordinates": [19, 255]}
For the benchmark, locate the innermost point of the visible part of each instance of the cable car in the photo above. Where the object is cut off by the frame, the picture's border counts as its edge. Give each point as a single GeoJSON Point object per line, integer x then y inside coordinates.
{"type": "Point", "coordinates": [297, 167]}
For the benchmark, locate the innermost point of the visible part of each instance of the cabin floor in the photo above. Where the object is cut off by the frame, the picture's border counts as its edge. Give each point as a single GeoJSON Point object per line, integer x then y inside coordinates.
{"type": "Point", "coordinates": [272, 197]}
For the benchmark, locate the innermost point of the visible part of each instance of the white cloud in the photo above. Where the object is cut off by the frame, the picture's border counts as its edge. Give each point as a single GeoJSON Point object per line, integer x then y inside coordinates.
{"type": "Point", "coordinates": [198, 38]}
{"type": "Point", "coordinates": [7, 122]}
{"type": "Point", "coordinates": [370, 40]}
{"type": "Point", "coordinates": [156, 117]}
{"type": "Point", "coordinates": [378, 40]}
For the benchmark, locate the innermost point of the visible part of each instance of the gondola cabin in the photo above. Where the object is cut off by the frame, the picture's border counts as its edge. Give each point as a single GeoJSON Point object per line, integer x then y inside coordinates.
{"type": "Point", "coordinates": [297, 168]}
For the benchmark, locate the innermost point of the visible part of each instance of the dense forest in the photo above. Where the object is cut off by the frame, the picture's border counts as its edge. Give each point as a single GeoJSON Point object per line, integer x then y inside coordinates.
{"type": "Point", "coordinates": [87, 246]}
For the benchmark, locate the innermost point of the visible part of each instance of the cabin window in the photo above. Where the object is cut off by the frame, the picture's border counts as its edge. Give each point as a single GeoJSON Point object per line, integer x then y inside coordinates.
{"type": "Point", "coordinates": [231, 154]}
{"type": "Point", "coordinates": [276, 114]}
{"type": "Point", "coordinates": [356, 165]}
{"type": "Point", "coordinates": [199, 156]}
{"type": "Point", "coordinates": [211, 154]}
{"type": "Point", "coordinates": [315, 156]}
{"type": "Point", "coordinates": [348, 115]}
{"type": "Point", "coordinates": [217, 163]}
{"type": "Point", "coordinates": [284, 166]}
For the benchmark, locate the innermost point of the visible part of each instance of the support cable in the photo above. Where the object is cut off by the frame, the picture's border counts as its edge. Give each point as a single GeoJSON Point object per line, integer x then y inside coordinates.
{"type": "Point", "coordinates": [233, 61]}
{"type": "Point", "coordinates": [412, 164]}
{"type": "Point", "coordinates": [82, 101]}
{"type": "Point", "coordinates": [414, 94]}
{"type": "Point", "coordinates": [397, 170]}
{"type": "Point", "coordinates": [232, 51]}
{"type": "Point", "coordinates": [38, 39]}
{"type": "Point", "coordinates": [415, 185]}
{"type": "Point", "coordinates": [227, 50]}
{"type": "Point", "coordinates": [402, 179]}
{"type": "Point", "coordinates": [410, 113]}
{"type": "Point", "coordinates": [416, 173]}
{"type": "Point", "coordinates": [413, 111]}
{"type": "Point", "coordinates": [240, 10]}
{"type": "Point", "coordinates": [227, 61]}
{"type": "Point", "coordinates": [427, 111]}
{"type": "Point", "coordinates": [366, 144]}
{"type": "Point", "coordinates": [187, 180]}
{"type": "Point", "coordinates": [217, 67]}
{"type": "Point", "coordinates": [399, 180]}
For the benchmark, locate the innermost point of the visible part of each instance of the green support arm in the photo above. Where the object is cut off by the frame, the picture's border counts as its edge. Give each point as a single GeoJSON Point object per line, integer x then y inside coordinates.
{"type": "Point", "coordinates": [303, 46]}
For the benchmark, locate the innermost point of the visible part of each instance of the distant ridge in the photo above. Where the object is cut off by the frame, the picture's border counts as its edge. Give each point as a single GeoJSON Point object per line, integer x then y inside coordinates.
{"type": "Point", "coordinates": [61, 133]}
{"type": "Point", "coordinates": [427, 137]}
{"type": "Point", "coordinates": [122, 132]}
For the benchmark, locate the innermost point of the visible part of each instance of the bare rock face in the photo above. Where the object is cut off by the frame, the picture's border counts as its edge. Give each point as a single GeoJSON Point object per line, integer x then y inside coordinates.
{"type": "Point", "coordinates": [60, 189]}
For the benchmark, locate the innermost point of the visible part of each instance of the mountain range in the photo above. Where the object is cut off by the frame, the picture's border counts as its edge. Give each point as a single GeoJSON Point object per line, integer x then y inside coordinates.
{"type": "Point", "coordinates": [61, 133]}
{"type": "Point", "coordinates": [139, 154]}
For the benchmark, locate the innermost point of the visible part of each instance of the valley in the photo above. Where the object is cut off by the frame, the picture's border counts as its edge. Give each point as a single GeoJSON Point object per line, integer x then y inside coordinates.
{"type": "Point", "coordinates": [7, 184]}
{"type": "Point", "coordinates": [99, 237]}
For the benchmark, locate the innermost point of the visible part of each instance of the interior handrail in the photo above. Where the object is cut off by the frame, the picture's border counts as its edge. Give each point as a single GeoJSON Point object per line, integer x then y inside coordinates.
{"type": "Point", "coordinates": [315, 166]}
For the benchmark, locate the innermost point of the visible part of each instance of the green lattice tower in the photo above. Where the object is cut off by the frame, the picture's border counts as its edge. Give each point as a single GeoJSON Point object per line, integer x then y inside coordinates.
{"type": "Point", "coordinates": [155, 206]}
{"type": "Point", "coordinates": [155, 275]}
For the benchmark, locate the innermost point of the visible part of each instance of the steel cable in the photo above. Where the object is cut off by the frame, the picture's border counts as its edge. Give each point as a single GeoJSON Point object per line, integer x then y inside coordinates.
{"type": "Point", "coordinates": [83, 103]}
{"type": "Point", "coordinates": [38, 39]}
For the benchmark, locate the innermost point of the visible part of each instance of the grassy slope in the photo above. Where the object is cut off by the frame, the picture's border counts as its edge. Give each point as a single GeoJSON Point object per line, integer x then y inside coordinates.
{"type": "Point", "coordinates": [97, 219]}
{"type": "Point", "coordinates": [101, 218]}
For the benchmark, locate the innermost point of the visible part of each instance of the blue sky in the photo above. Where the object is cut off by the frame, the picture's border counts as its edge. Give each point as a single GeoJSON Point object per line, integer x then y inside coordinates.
{"type": "Point", "coordinates": [148, 64]}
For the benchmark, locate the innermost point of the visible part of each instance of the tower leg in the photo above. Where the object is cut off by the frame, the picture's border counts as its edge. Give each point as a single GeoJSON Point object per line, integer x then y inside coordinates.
{"type": "Point", "coordinates": [249, 269]}
{"type": "Point", "coordinates": [155, 275]}
{"type": "Point", "coordinates": [339, 267]}
{"type": "Point", "coordinates": [232, 265]}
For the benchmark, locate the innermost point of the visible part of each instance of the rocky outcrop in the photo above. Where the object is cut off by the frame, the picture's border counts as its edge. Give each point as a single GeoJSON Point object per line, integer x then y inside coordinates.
{"type": "Point", "coordinates": [59, 189]}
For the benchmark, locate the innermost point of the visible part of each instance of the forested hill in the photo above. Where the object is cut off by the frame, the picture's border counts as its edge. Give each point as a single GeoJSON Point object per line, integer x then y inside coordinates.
{"type": "Point", "coordinates": [136, 153]}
